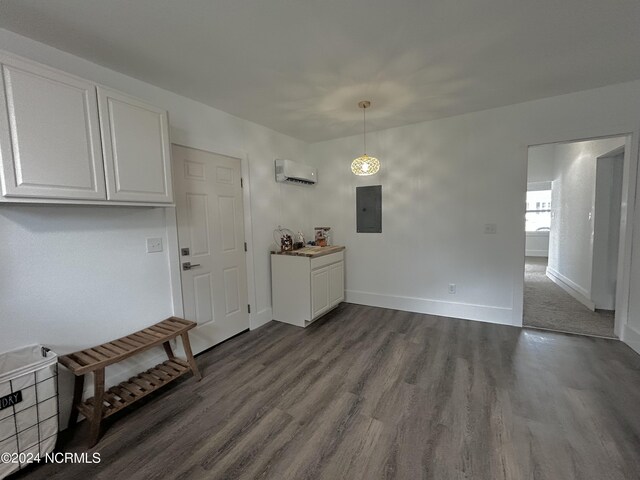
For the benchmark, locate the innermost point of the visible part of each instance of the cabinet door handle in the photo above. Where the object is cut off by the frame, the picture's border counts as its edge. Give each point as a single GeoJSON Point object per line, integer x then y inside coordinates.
{"type": "Point", "coordinates": [189, 265]}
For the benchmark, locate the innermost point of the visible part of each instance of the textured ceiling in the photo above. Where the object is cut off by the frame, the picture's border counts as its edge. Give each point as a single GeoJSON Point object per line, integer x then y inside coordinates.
{"type": "Point", "coordinates": [301, 66]}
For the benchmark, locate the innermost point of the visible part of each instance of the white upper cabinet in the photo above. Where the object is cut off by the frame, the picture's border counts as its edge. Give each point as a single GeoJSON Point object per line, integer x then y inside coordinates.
{"type": "Point", "coordinates": [49, 134]}
{"type": "Point", "coordinates": [66, 140]}
{"type": "Point", "coordinates": [135, 141]}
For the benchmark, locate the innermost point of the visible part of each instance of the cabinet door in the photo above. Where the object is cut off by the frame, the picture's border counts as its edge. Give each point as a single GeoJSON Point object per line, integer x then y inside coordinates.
{"type": "Point", "coordinates": [336, 283]}
{"type": "Point", "coordinates": [319, 291]}
{"type": "Point", "coordinates": [135, 140]}
{"type": "Point", "coordinates": [49, 134]}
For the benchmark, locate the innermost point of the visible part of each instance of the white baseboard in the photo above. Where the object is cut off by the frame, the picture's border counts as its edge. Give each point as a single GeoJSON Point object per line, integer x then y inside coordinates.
{"type": "Point", "coordinates": [465, 311]}
{"type": "Point", "coordinates": [572, 288]}
{"type": "Point", "coordinates": [537, 253]}
{"type": "Point", "coordinates": [632, 338]}
{"type": "Point", "coordinates": [260, 318]}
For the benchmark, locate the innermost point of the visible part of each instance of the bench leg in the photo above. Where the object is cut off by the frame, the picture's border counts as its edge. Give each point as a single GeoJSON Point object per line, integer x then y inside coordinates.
{"type": "Point", "coordinates": [78, 387]}
{"type": "Point", "coordinates": [192, 361]}
{"type": "Point", "coordinates": [168, 350]}
{"type": "Point", "coordinates": [96, 418]}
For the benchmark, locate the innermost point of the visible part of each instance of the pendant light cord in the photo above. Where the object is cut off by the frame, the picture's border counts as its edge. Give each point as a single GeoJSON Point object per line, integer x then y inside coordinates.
{"type": "Point", "coordinates": [364, 129]}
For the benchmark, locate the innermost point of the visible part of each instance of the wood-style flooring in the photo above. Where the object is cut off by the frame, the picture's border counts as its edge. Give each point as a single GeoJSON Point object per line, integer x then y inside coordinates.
{"type": "Point", "coordinates": [370, 393]}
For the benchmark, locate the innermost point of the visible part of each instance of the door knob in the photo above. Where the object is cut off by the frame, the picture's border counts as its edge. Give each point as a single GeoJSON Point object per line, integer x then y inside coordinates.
{"type": "Point", "coordinates": [189, 265]}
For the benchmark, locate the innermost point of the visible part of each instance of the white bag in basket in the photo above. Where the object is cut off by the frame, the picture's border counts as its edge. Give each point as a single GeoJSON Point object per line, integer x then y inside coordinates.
{"type": "Point", "coordinates": [28, 404]}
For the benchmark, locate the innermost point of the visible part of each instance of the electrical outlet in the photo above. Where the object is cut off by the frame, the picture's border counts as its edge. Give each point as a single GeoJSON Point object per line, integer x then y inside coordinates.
{"type": "Point", "coordinates": [154, 245]}
{"type": "Point", "coordinates": [490, 228]}
{"type": "Point", "coordinates": [452, 288]}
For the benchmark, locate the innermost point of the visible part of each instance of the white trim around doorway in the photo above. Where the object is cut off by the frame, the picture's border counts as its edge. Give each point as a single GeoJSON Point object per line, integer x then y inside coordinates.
{"type": "Point", "coordinates": [629, 188]}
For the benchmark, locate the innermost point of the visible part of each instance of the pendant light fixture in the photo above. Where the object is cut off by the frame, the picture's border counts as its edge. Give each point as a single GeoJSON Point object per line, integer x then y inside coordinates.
{"type": "Point", "coordinates": [365, 165]}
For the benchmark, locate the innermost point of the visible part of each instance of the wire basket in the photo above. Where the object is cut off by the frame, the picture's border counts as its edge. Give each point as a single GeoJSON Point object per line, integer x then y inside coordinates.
{"type": "Point", "coordinates": [28, 405]}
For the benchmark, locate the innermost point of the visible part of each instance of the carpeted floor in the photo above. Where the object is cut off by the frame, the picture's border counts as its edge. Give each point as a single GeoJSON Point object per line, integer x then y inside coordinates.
{"type": "Point", "coordinates": [549, 307]}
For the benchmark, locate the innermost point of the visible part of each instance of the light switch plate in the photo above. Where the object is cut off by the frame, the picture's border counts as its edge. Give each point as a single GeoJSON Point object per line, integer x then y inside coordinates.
{"type": "Point", "coordinates": [490, 228]}
{"type": "Point", "coordinates": [154, 245]}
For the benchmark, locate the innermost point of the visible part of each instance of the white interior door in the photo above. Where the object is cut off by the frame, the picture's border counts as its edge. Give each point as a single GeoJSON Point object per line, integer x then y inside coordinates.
{"type": "Point", "coordinates": [208, 195]}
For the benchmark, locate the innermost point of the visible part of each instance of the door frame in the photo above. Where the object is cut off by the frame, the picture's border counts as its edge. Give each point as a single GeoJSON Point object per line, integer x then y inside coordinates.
{"type": "Point", "coordinates": [629, 186]}
{"type": "Point", "coordinates": [173, 247]}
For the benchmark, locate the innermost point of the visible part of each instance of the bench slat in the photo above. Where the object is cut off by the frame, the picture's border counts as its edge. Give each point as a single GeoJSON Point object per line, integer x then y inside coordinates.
{"type": "Point", "coordinates": [125, 347]}
{"type": "Point", "coordinates": [130, 341]}
{"type": "Point", "coordinates": [169, 371]}
{"type": "Point", "coordinates": [123, 395]}
{"type": "Point", "coordinates": [96, 354]}
{"type": "Point", "coordinates": [144, 337]}
{"type": "Point", "coordinates": [132, 388]}
{"type": "Point", "coordinates": [83, 359]}
{"type": "Point", "coordinates": [105, 351]}
{"type": "Point", "coordinates": [153, 381]}
{"type": "Point", "coordinates": [160, 330]}
{"type": "Point", "coordinates": [114, 348]}
{"type": "Point", "coordinates": [70, 363]}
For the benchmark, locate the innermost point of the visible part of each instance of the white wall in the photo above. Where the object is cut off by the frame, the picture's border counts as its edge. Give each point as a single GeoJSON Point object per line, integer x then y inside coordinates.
{"type": "Point", "coordinates": [571, 238]}
{"type": "Point", "coordinates": [539, 177]}
{"type": "Point", "coordinates": [606, 230]}
{"type": "Point", "coordinates": [630, 331]}
{"type": "Point", "coordinates": [73, 277]}
{"type": "Point", "coordinates": [540, 163]}
{"type": "Point", "coordinates": [537, 244]}
{"type": "Point", "coordinates": [442, 182]}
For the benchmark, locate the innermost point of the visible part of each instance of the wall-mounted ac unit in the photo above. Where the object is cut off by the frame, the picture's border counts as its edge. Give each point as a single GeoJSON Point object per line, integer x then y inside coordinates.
{"type": "Point", "coordinates": [288, 171]}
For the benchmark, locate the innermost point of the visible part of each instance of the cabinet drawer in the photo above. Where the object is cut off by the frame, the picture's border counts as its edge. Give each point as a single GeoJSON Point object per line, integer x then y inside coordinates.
{"type": "Point", "coordinates": [326, 260]}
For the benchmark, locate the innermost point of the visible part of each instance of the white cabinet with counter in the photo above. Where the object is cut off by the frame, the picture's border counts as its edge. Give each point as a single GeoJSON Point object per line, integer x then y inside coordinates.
{"type": "Point", "coordinates": [60, 135]}
{"type": "Point", "coordinates": [305, 286]}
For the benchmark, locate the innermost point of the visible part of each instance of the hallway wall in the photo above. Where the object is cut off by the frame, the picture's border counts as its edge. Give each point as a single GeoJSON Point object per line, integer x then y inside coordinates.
{"type": "Point", "coordinates": [606, 230]}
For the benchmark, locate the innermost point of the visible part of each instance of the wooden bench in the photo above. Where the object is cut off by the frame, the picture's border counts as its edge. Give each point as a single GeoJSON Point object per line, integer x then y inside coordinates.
{"type": "Point", "coordinates": [103, 404]}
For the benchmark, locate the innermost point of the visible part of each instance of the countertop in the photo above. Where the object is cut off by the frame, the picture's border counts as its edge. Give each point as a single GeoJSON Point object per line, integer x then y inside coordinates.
{"type": "Point", "coordinates": [313, 252]}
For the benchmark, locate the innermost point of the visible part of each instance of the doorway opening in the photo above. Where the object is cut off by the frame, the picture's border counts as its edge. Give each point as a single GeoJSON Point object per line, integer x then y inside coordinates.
{"type": "Point", "coordinates": [573, 235]}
